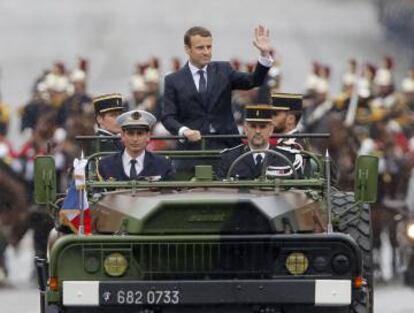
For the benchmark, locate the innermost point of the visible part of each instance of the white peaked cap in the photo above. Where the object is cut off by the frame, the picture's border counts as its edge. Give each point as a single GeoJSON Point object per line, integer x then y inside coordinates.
{"type": "Point", "coordinates": [136, 119]}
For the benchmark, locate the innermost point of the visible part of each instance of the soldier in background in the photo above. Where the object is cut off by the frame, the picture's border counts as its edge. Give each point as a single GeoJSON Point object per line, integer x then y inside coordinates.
{"type": "Point", "coordinates": [153, 99]}
{"type": "Point", "coordinates": [349, 81]}
{"type": "Point", "coordinates": [287, 112]}
{"type": "Point", "coordinates": [320, 104]}
{"type": "Point", "coordinates": [138, 92]}
{"type": "Point", "coordinates": [384, 89]}
{"type": "Point", "coordinates": [79, 101]}
{"type": "Point", "coordinates": [107, 108]}
{"type": "Point", "coordinates": [36, 106]}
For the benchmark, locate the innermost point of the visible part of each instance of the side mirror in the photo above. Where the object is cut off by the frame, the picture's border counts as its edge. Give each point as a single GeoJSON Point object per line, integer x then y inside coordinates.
{"type": "Point", "coordinates": [44, 180]}
{"type": "Point", "coordinates": [366, 178]}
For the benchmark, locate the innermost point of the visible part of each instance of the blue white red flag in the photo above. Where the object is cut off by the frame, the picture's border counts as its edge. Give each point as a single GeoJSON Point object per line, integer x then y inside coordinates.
{"type": "Point", "coordinates": [70, 212]}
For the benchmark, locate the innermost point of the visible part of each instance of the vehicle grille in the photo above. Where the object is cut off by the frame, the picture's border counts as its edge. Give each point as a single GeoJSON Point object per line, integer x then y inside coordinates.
{"type": "Point", "coordinates": [205, 260]}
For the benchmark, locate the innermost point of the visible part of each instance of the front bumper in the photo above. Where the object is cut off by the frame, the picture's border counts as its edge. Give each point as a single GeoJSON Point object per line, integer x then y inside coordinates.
{"type": "Point", "coordinates": [319, 292]}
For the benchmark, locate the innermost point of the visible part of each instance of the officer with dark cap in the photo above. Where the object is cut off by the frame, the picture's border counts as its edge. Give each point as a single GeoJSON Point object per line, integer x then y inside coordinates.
{"type": "Point", "coordinates": [135, 162]}
{"type": "Point", "coordinates": [287, 112]}
{"type": "Point", "coordinates": [258, 128]}
{"type": "Point", "coordinates": [107, 109]}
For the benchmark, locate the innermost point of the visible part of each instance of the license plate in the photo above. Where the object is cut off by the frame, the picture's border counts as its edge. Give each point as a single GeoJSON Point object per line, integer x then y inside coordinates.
{"type": "Point", "coordinates": [135, 296]}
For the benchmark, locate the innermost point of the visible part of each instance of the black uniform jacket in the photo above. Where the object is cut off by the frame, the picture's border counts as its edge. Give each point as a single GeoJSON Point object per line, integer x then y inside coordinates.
{"type": "Point", "coordinates": [154, 165]}
{"type": "Point", "coordinates": [294, 143]}
{"type": "Point", "coordinates": [183, 105]}
{"type": "Point", "coordinates": [107, 144]}
{"type": "Point", "coordinates": [247, 169]}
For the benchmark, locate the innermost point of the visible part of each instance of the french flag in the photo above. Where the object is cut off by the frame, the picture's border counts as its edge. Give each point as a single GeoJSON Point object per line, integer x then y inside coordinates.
{"type": "Point", "coordinates": [71, 208]}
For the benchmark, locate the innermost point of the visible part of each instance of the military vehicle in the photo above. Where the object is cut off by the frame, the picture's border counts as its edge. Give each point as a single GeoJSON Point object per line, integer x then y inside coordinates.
{"type": "Point", "coordinates": [267, 245]}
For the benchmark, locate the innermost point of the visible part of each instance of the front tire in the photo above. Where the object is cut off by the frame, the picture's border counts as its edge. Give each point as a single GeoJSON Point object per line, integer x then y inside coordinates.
{"type": "Point", "coordinates": [356, 222]}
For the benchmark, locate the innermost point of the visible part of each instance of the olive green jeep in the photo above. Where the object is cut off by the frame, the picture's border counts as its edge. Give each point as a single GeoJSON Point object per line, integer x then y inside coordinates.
{"type": "Point", "coordinates": [267, 245]}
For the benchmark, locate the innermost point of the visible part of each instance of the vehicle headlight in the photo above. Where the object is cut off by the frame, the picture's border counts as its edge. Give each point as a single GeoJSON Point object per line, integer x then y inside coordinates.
{"type": "Point", "coordinates": [410, 230]}
{"type": "Point", "coordinates": [297, 263]}
{"type": "Point", "coordinates": [341, 264]}
{"type": "Point", "coordinates": [115, 264]}
{"type": "Point", "coordinates": [92, 264]}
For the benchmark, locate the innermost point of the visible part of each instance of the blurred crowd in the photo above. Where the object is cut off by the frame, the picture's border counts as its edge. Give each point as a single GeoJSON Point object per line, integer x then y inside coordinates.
{"type": "Point", "coordinates": [372, 114]}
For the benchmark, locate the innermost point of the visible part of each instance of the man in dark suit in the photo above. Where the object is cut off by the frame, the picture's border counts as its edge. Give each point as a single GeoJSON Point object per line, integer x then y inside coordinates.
{"type": "Point", "coordinates": [286, 116]}
{"type": "Point", "coordinates": [135, 162]}
{"type": "Point", "coordinates": [258, 128]}
{"type": "Point", "coordinates": [197, 98]}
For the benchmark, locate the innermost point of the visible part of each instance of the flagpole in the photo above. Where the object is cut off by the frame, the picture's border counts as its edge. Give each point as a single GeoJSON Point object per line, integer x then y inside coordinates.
{"type": "Point", "coordinates": [82, 215]}
{"type": "Point", "coordinates": [82, 200]}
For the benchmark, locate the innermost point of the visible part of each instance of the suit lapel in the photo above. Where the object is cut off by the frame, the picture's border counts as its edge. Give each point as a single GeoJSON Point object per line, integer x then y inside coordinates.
{"type": "Point", "coordinates": [213, 85]}
{"type": "Point", "coordinates": [148, 165]}
{"type": "Point", "coordinates": [211, 80]}
{"type": "Point", "coordinates": [119, 167]}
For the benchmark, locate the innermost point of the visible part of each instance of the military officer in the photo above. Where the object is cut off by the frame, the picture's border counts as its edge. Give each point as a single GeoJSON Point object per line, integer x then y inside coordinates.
{"type": "Point", "coordinates": [285, 118]}
{"type": "Point", "coordinates": [107, 108]}
{"type": "Point", "coordinates": [134, 162]}
{"type": "Point", "coordinates": [258, 128]}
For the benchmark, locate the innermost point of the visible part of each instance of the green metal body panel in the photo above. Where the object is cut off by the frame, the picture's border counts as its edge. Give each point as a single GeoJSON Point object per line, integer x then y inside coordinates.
{"type": "Point", "coordinates": [204, 229]}
{"type": "Point", "coordinates": [208, 211]}
{"type": "Point", "coordinates": [44, 180]}
{"type": "Point", "coordinates": [366, 178]}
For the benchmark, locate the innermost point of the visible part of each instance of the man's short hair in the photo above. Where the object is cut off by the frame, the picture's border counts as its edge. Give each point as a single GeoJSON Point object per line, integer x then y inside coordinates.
{"type": "Point", "coordinates": [194, 31]}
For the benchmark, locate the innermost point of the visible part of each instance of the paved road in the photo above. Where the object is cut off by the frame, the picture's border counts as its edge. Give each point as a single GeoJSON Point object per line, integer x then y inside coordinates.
{"type": "Point", "coordinates": [114, 35]}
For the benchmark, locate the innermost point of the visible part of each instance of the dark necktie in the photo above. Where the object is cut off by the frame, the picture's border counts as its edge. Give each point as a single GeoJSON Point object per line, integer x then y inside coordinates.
{"type": "Point", "coordinates": [202, 86]}
{"type": "Point", "coordinates": [258, 166]}
{"type": "Point", "coordinates": [133, 170]}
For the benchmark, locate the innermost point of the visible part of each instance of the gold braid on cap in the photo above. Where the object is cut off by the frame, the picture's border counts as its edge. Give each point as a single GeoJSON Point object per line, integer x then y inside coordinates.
{"type": "Point", "coordinates": [287, 95]}
{"type": "Point", "coordinates": [108, 96]}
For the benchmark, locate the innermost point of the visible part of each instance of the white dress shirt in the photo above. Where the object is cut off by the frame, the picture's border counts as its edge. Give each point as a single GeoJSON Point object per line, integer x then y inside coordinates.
{"type": "Point", "coordinates": [126, 162]}
{"type": "Point", "coordinates": [196, 75]}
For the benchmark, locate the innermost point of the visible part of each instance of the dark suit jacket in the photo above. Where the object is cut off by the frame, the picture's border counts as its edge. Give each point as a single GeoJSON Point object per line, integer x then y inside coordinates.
{"type": "Point", "coordinates": [154, 165]}
{"type": "Point", "coordinates": [183, 105]}
{"type": "Point", "coordinates": [247, 169]}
